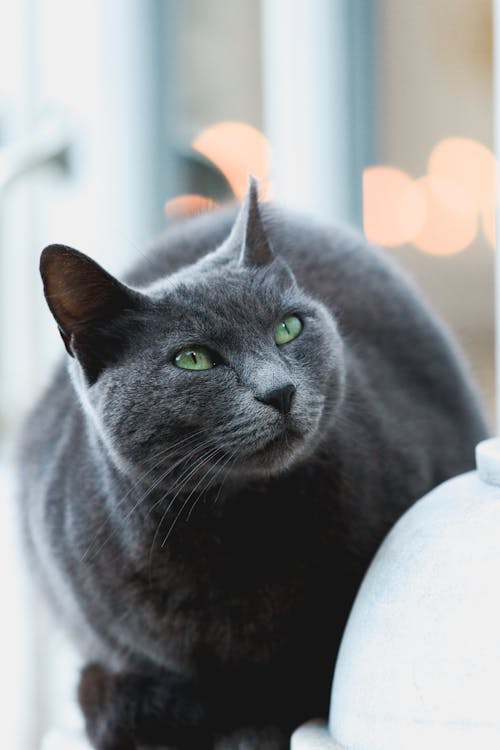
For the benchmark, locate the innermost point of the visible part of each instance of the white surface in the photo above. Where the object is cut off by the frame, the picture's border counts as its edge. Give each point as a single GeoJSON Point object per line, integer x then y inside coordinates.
{"type": "Point", "coordinates": [313, 736]}
{"type": "Point", "coordinates": [488, 461]}
{"type": "Point", "coordinates": [419, 665]}
{"type": "Point", "coordinates": [15, 629]}
{"type": "Point", "coordinates": [64, 741]}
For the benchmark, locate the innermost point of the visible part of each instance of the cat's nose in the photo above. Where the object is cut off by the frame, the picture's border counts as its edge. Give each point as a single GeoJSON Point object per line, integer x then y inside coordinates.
{"type": "Point", "coordinates": [280, 398]}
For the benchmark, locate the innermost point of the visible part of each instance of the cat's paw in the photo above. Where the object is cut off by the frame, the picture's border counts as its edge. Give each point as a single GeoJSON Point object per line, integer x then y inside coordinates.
{"type": "Point", "coordinates": [96, 698]}
{"type": "Point", "coordinates": [94, 689]}
{"type": "Point", "coordinates": [126, 711]}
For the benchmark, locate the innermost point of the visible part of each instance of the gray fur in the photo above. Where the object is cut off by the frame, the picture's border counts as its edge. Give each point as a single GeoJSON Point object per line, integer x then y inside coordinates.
{"type": "Point", "coordinates": [234, 558]}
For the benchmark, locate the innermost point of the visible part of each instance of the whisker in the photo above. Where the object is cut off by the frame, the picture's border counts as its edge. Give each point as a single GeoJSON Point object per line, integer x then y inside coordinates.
{"type": "Point", "coordinates": [180, 479]}
{"type": "Point", "coordinates": [165, 512]}
{"type": "Point", "coordinates": [161, 455]}
{"type": "Point", "coordinates": [234, 456]}
{"type": "Point", "coordinates": [220, 467]}
{"type": "Point", "coordinates": [207, 458]}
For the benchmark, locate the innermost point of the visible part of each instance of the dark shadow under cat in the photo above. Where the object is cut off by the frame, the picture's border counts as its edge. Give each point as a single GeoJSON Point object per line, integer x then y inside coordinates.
{"type": "Point", "coordinates": [207, 478]}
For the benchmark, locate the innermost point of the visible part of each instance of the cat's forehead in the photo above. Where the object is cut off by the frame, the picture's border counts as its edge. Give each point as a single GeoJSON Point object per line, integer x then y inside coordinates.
{"type": "Point", "coordinates": [221, 300]}
{"type": "Point", "coordinates": [218, 290]}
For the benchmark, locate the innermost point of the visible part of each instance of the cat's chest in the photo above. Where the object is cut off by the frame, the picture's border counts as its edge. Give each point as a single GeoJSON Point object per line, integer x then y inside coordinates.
{"type": "Point", "coordinates": [232, 587]}
{"type": "Point", "coordinates": [233, 560]}
{"type": "Point", "coordinates": [237, 607]}
{"type": "Point", "coordinates": [256, 540]}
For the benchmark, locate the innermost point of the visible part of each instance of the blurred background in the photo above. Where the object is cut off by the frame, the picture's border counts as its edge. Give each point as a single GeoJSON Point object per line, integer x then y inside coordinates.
{"type": "Point", "coordinates": [115, 114]}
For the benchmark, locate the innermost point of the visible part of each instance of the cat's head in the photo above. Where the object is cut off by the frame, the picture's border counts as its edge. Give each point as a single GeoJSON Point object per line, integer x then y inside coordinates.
{"type": "Point", "coordinates": [225, 366]}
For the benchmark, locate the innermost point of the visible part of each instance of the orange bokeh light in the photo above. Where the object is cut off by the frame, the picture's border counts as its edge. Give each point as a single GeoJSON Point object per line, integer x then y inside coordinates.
{"type": "Point", "coordinates": [438, 213]}
{"type": "Point", "coordinates": [447, 229]}
{"type": "Point", "coordinates": [469, 165]}
{"type": "Point", "coordinates": [237, 150]}
{"type": "Point", "coordinates": [394, 207]}
{"type": "Point", "coordinates": [190, 203]}
{"type": "Point", "coordinates": [451, 194]}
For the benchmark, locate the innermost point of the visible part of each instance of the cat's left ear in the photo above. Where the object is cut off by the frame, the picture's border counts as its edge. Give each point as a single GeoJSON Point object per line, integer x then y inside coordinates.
{"type": "Point", "coordinates": [86, 302]}
{"type": "Point", "coordinates": [255, 248]}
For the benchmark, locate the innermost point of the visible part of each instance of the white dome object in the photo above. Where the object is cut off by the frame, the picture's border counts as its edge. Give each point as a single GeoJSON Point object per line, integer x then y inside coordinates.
{"type": "Point", "coordinates": [419, 664]}
{"type": "Point", "coordinates": [313, 735]}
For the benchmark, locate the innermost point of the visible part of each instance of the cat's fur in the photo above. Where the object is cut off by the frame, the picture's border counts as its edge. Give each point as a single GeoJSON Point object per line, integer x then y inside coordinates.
{"type": "Point", "coordinates": [202, 548]}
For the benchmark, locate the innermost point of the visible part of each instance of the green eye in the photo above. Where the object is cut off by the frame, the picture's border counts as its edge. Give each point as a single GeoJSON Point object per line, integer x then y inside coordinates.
{"type": "Point", "coordinates": [287, 330]}
{"type": "Point", "coordinates": [195, 358]}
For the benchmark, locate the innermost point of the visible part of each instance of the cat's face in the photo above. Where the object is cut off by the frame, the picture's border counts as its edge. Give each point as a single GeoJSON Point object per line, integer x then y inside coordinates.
{"type": "Point", "coordinates": [227, 367]}
{"type": "Point", "coordinates": [255, 407]}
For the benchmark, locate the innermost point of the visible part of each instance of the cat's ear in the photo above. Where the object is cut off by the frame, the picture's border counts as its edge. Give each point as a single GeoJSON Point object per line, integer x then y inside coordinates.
{"type": "Point", "coordinates": [84, 300]}
{"type": "Point", "coordinates": [255, 249]}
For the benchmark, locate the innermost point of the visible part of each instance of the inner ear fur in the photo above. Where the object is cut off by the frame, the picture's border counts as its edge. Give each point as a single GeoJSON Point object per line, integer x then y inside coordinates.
{"type": "Point", "coordinates": [79, 292]}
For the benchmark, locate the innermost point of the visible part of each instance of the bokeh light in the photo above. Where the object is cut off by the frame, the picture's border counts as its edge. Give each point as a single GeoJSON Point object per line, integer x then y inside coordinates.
{"type": "Point", "coordinates": [394, 207]}
{"type": "Point", "coordinates": [467, 164]}
{"type": "Point", "coordinates": [237, 149]}
{"type": "Point", "coordinates": [190, 203]}
{"type": "Point", "coordinates": [448, 228]}
{"type": "Point", "coordinates": [440, 212]}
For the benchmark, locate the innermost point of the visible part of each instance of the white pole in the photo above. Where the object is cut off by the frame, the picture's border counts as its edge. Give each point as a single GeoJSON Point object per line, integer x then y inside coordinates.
{"type": "Point", "coordinates": [305, 112]}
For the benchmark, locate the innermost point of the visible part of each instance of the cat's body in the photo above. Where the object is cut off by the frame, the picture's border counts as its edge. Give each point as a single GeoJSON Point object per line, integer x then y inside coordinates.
{"type": "Point", "coordinates": [225, 609]}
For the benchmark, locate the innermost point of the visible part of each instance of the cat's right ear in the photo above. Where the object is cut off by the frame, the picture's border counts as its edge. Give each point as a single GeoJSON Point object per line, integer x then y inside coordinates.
{"type": "Point", "coordinates": [83, 298]}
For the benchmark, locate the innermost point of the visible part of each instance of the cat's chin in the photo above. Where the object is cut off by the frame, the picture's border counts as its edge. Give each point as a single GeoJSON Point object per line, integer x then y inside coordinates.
{"type": "Point", "coordinates": [278, 454]}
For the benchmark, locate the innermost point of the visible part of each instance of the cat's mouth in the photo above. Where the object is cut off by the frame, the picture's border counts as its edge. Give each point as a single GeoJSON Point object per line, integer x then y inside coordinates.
{"type": "Point", "coordinates": [278, 449]}
{"type": "Point", "coordinates": [288, 437]}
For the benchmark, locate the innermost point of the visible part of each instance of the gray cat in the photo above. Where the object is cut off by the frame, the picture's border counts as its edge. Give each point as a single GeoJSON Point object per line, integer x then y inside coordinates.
{"type": "Point", "coordinates": [205, 482]}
